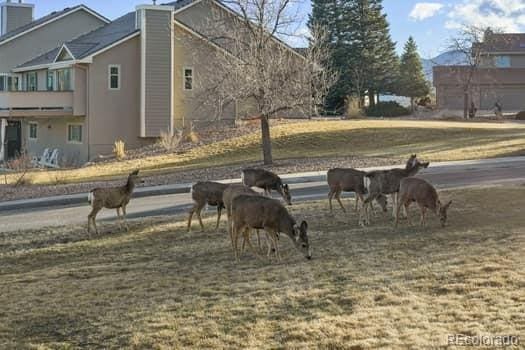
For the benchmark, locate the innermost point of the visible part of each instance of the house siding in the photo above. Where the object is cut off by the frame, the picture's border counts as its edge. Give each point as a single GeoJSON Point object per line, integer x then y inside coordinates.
{"type": "Point", "coordinates": [16, 16]}
{"type": "Point", "coordinates": [157, 85]}
{"type": "Point", "coordinates": [115, 114]}
{"type": "Point", "coordinates": [46, 38]}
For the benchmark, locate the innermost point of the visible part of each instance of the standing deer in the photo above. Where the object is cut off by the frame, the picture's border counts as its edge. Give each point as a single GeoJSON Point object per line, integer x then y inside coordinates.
{"type": "Point", "coordinates": [206, 192]}
{"type": "Point", "coordinates": [258, 212]}
{"type": "Point", "coordinates": [112, 198]}
{"type": "Point", "coordinates": [349, 180]}
{"type": "Point", "coordinates": [413, 189]}
{"type": "Point", "coordinates": [384, 182]}
{"type": "Point", "coordinates": [266, 180]}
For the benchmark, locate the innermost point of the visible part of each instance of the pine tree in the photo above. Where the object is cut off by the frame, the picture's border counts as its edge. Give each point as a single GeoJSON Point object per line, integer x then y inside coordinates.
{"type": "Point", "coordinates": [412, 82]}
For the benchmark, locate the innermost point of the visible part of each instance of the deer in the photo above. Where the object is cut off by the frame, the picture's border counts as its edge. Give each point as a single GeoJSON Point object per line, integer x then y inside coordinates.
{"type": "Point", "coordinates": [384, 182]}
{"type": "Point", "coordinates": [413, 189]}
{"type": "Point", "coordinates": [210, 193]}
{"type": "Point", "coordinates": [112, 198]}
{"type": "Point", "coordinates": [258, 212]}
{"type": "Point", "coordinates": [349, 180]}
{"type": "Point", "coordinates": [266, 180]}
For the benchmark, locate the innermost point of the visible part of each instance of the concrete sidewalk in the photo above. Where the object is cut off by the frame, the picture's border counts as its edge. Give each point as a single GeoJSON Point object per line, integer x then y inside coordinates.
{"type": "Point", "coordinates": [293, 179]}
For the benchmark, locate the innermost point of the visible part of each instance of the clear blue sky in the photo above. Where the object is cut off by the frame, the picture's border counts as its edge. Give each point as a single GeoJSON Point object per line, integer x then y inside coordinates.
{"type": "Point", "coordinates": [430, 22]}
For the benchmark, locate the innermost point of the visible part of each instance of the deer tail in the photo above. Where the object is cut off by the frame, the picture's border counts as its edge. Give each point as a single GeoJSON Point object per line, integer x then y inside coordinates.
{"type": "Point", "coordinates": [367, 182]}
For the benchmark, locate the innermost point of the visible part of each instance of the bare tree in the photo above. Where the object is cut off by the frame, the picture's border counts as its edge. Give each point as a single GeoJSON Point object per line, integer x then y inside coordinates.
{"type": "Point", "coordinates": [257, 69]}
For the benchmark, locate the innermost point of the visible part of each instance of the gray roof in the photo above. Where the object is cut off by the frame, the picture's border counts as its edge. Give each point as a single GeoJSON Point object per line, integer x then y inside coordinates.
{"type": "Point", "coordinates": [43, 20]}
{"type": "Point", "coordinates": [99, 38]}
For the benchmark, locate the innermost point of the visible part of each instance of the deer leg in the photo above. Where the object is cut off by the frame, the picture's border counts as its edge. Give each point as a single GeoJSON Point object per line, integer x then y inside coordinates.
{"type": "Point", "coordinates": [124, 217]}
{"type": "Point", "coordinates": [330, 196]}
{"type": "Point", "coordinates": [338, 197]}
{"type": "Point", "coordinates": [92, 217]}
{"type": "Point", "coordinates": [219, 210]}
{"type": "Point", "coordinates": [406, 212]}
{"type": "Point", "coordinates": [423, 212]}
{"type": "Point", "coordinates": [394, 203]}
{"type": "Point", "coordinates": [258, 239]}
{"type": "Point", "coordinates": [119, 219]}
{"type": "Point", "coordinates": [398, 208]}
{"type": "Point", "coordinates": [192, 211]}
{"type": "Point", "coordinates": [199, 210]}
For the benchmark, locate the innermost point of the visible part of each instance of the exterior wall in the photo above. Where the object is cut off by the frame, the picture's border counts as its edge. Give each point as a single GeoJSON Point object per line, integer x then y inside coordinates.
{"type": "Point", "coordinates": [115, 114]}
{"type": "Point", "coordinates": [46, 38]}
{"type": "Point", "coordinates": [156, 41]}
{"type": "Point", "coordinates": [517, 61]}
{"type": "Point", "coordinates": [193, 52]}
{"type": "Point", "coordinates": [52, 133]}
{"type": "Point", "coordinates": [488, 86]}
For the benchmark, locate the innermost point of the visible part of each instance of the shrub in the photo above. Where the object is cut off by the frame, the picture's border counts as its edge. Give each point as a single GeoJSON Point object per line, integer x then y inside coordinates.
{"type": "Point", "coordinates": [193, 137]}
{"type": "Point", "coordinates": [119, 149]}
{"type": "Point", "coordinates": [387, 109]}
{"type": "Point", "coordinates": [353, 110]}
{"type": "Point", "coordinates": [520, 115]}
{"type": "Point", "coordinates": [170, 142]}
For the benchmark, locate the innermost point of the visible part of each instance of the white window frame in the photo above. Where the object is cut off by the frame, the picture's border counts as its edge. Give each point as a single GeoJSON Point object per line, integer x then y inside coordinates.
{"type": "Point", "coordinates": [184, 69]}
{"type": "Point", "coordinates": [29, 131]}
{"type": "Point", "coordinates": [81, 133]}
{"type": "Point", "coordinates": [118, 76]}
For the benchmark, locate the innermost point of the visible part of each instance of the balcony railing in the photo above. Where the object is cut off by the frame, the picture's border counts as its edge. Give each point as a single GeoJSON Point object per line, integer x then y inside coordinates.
{"type": "Point", "coordinates": [36, 103]}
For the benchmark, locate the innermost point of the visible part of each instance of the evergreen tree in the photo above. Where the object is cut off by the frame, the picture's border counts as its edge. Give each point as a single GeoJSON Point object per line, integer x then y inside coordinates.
{"type": "Point", "coordinates": [412, 82]}
{"type": "Point", "coordinates": [363, 51]}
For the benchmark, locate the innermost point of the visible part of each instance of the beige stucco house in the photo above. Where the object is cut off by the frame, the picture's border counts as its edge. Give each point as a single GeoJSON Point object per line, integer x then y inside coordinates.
{"type": "Point", "coordinates": [77, 82]}
{"type": "Point", "coordinates": [498, 76]}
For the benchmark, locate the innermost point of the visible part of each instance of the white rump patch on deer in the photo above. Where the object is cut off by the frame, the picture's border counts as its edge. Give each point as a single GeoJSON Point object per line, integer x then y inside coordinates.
{"type": "Point", "coordinates": [367, 182]}
{"type": "Point", "coordinates": [90, 198]}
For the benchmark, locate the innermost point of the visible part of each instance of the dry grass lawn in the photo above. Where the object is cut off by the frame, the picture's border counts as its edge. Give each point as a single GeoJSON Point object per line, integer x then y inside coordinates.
{"type": "Point", "coordinates": [433, 140]}
{"type": "Point", "coordinates": [159, 287]}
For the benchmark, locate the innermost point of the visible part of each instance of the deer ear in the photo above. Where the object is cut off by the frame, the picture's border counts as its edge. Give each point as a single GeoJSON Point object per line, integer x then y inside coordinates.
{"type": "Point", "coordinates": [425, 165]}
{"type": "Point", "coordinates": [136, 172]}
{"type": "Point", "coordinates": [448, 204]}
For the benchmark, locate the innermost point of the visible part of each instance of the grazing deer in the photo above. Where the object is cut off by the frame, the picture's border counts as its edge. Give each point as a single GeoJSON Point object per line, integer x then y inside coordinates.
{"type": "Point", "coordinates": [413, 189]}
{"type": "Point", "coordinates": [258, 212]}
{"type": "Point", "coordinates": [349, 180]}
{"type": "Point", "coordinates": [266, 180]}
{"type": "Point", "coordinates": [206, 192]}
{"type": "Point", "coordinates": [384, 182]}
{"type": "Point", "coordinates": [112, 198]}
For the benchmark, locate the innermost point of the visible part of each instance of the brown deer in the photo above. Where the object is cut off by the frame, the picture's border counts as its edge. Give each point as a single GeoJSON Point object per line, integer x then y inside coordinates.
{"type": "Point", "coordinates": [384, 182]}
{"type": "Point", "coordinates": [206, 192]}
{"type": "Point", "coordinates": [112, 198]}
{"type": "Point", "coordinates": [258, 212]}
{"type": "Point", "coordinates": [230, 193]}
{"type": "Point", "coordinates": [349, 180]}
{"type": "Point", "coordinates": [268, 181]}
{"type": "Point", "coordinates": [413, 189]}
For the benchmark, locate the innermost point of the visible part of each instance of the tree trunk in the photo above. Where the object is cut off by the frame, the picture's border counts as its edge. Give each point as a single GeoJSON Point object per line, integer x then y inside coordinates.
{"type": "Point", "coordinates": [412, 104]}
{"type": "Point", "coordinates": [371, 98]}
{"type": "Point", "coordinates": [266, 141]}
{"type": "Point", "coordinates": [465, 105]}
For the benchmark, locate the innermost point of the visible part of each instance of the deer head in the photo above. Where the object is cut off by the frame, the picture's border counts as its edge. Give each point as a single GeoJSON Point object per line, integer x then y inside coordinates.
{"type": "Point", "coordinates": [443, 212]}
{"type": "Point", "coordinates": [134, 178]}
{"type": "Point", "coordinates": [284, 190]}
{"type": "Point", "coordinates": [300, 239]}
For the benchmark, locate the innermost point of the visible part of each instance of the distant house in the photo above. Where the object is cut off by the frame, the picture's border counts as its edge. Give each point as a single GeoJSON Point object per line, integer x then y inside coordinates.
{"type": "Point", "coordinates": [500, 76]}
{"type": "Point", "coordinates": [77, 82]}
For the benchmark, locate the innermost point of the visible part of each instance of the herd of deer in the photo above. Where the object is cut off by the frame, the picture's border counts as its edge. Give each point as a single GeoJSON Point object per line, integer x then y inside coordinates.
{"type": "Point", "coordinates": [249, 210]}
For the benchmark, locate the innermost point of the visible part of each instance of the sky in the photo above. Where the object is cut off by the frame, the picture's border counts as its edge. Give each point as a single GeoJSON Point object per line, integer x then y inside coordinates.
{"type": "Point", "coordinates": [432, 23]}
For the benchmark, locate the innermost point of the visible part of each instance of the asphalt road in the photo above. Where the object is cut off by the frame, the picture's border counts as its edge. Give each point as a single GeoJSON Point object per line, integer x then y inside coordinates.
{"type": "Point", "coordinates": [443, 176]}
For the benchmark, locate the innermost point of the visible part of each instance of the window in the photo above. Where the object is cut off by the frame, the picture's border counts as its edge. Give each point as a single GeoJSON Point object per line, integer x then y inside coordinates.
{"type": "Point", "coordinates": [502, 61]}
{"type": "Point", "coordinates": [74, 133]}
{"type": "Point", "coordinates": [63, 79]}
{"type": "Point", "coordinates": [33, 131]}
{"type": "Point", "coordinates": [31, 81]}
{"type": "Point", "coordinates": [3, 83]}
{"type": "Point", "coordinates": [188, 78]}
{"type": "Point", "coordinates": [50, 80]}
{"type": "Point", "coordinates": [13, 83]}
{"type": "Point", "coordinates": [114, 77]}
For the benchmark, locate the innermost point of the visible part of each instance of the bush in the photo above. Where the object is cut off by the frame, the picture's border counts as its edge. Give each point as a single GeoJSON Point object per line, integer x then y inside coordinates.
{"type": "Point", "coordinates": [387, 109]}
{"type": "Point", "coordinates": [170, 142]}
{"type": "Point", "coordinates": [352, 107]}
{"type": "Point", "coordinates": [520, 115]}
{"type": "Point", "coordinates": [119, 149]}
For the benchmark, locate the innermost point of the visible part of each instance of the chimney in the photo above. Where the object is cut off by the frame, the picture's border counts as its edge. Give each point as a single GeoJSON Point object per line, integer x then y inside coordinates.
{"type": "Point", "coordinates": [14, 15]}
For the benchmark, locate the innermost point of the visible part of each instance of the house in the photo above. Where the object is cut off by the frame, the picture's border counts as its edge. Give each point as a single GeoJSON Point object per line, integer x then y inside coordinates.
{"type": "Point", "coordinates": [78, 85]}
{"type": "Point", "coordinates": [499, 76]}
